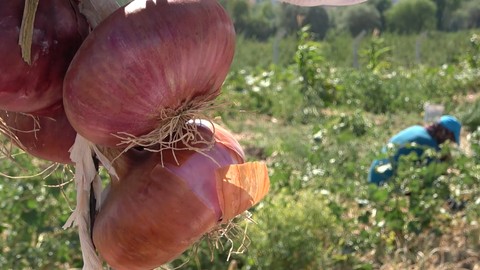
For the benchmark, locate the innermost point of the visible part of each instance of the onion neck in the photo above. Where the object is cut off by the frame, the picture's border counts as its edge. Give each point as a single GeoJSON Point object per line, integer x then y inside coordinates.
{"type": "Point", "coordinates": [124, 161]}
{"type": "Point", "coordinates": [97, 10]}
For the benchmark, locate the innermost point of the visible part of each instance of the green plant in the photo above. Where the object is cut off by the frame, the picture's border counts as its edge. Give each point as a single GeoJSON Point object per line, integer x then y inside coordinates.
{"type": "Point", "coordinates": [470, 116]}
{"type": "Point", "coordinates": [474, 140]}
{"type": "Point", "coordinates": [33, 212]}
{"type": "Point", "coordinates": [473, 57]}
{"type": "Point", "coordinates": [314, 70]}
{"type": "Point", "coordinates": [376, 54]}
{"type": "Point", "coordinates": [355, 123]}
{"type": "Point", "coordinates": [297, 230]}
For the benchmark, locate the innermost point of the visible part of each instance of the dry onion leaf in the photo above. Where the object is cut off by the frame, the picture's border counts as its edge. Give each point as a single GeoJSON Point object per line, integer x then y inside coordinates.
{"type": "Point", "coordinates": [241, 186]}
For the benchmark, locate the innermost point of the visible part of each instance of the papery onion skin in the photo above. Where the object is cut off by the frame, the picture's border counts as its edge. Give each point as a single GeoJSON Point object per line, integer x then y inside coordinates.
{"type": "Point", "coordinates": [59, 29]}
{"type": "Point", "coordinates": [144, 58]}
{"type": "Point", "coordinates": [45, 137]}
{"type": "Point", "coordinates": [154, 213]}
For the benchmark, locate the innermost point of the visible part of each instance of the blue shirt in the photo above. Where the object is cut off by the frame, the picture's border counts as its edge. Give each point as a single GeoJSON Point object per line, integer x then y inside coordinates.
{"type": "Point", "coordinates": [382, 169]}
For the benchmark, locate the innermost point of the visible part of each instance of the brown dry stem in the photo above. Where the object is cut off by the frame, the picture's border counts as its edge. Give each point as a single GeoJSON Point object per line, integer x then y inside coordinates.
{"type": "Point", "coordinates": [26, 30]}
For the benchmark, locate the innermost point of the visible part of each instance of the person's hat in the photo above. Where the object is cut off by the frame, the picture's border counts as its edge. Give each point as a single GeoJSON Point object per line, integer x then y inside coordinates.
{"type": "Point", "coordinates": [452, 124]}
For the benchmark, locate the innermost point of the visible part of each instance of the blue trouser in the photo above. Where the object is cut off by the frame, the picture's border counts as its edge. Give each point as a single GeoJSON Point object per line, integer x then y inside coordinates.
{"type": "Point", "coordinates": [380, 171]}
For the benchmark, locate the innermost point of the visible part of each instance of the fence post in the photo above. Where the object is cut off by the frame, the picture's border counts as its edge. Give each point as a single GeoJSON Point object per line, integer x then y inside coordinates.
{"type": "Point", "coordinates": [278, 36]}
{"type": "Point", "coordinates": [356, 42]}
{"type": "Point", "coordinates": [418, 47]}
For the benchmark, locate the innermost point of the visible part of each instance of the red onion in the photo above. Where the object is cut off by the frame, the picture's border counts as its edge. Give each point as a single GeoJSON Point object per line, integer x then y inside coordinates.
{"type": "Point", "coordinates": [46, 137]}
{"type": "Point", "coordinates": [165, 201]}
{"type": "Point", "coordinates": [58, 32]}
{"type": "Point", "coordinates": [146, 64]}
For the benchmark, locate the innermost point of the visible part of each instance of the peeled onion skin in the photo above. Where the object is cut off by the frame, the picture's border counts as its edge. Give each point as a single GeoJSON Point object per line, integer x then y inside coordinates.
{"type": "Point", "coordinates": [45, 137]}
{"type": "Point", "coordinates": [59, 29]}
{"type": "Point", "coordinates": [154, 213]}
{"type": "Point", "coordinates": [144, 58]}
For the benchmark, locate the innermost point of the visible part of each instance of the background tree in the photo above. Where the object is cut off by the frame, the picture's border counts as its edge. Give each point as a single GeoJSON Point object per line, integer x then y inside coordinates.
{"type": "Point", "coordinates": [411, 16]}
{"type": "Point", "coordinates": [360, 17]}
{"type": "Point", "coordinates": [440, 12]}
{"type": "Point", "coordinates": [474, 14]}
{"type": "Point", "coordinates": [466, 16]}
{"type": "Point", "coordinates": [290, 17]}
{"type": "Point", "coordinates": [262, 22]}
{"type": "Point", "coordinates": [240, 13]}
{"type": "Point", "coordinates": [318, 20]}
{"type": "Point", "coordinates": [448, 17]}
{"type": "Point", "coordinates": [382, 6]}
{"type": "Point", "coordinates": [252, 21]}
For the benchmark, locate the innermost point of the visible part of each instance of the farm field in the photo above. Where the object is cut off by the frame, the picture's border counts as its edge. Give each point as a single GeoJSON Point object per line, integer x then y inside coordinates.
{"type": "Point", "coordinates": [318, 125]}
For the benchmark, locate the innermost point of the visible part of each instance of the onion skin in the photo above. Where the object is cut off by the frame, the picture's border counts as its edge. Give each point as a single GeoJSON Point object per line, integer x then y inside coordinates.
{"type": "Point", "coordinates": [154, 213]}
{"type": "Point", "coordinates": [144, 58]}
{"type": "Point", "coordinates": [51, 141]}
{"type": "Point", "coordinates": [59, 29]}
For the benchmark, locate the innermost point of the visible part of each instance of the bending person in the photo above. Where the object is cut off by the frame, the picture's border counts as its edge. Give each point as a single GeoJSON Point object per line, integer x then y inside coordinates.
{"type": "Point", "coordinates": [415, 139]}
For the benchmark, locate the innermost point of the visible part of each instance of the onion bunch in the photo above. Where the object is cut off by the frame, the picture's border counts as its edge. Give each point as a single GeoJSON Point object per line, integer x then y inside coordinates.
{"type": "Point", "coordinates": [136, 81]}
{"type": "Point", "coordinates": [165, 201]}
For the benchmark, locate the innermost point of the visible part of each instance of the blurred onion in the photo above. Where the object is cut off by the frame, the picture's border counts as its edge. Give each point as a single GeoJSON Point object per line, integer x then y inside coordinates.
{"type": "Point", "coordinates": [46, 137]}
{"type": "Point", "coordinates": [58, 31]}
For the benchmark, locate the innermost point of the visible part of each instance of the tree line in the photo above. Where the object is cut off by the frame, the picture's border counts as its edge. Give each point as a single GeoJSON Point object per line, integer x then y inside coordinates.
{"type": "Point", "coordinates": [264, 19]}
